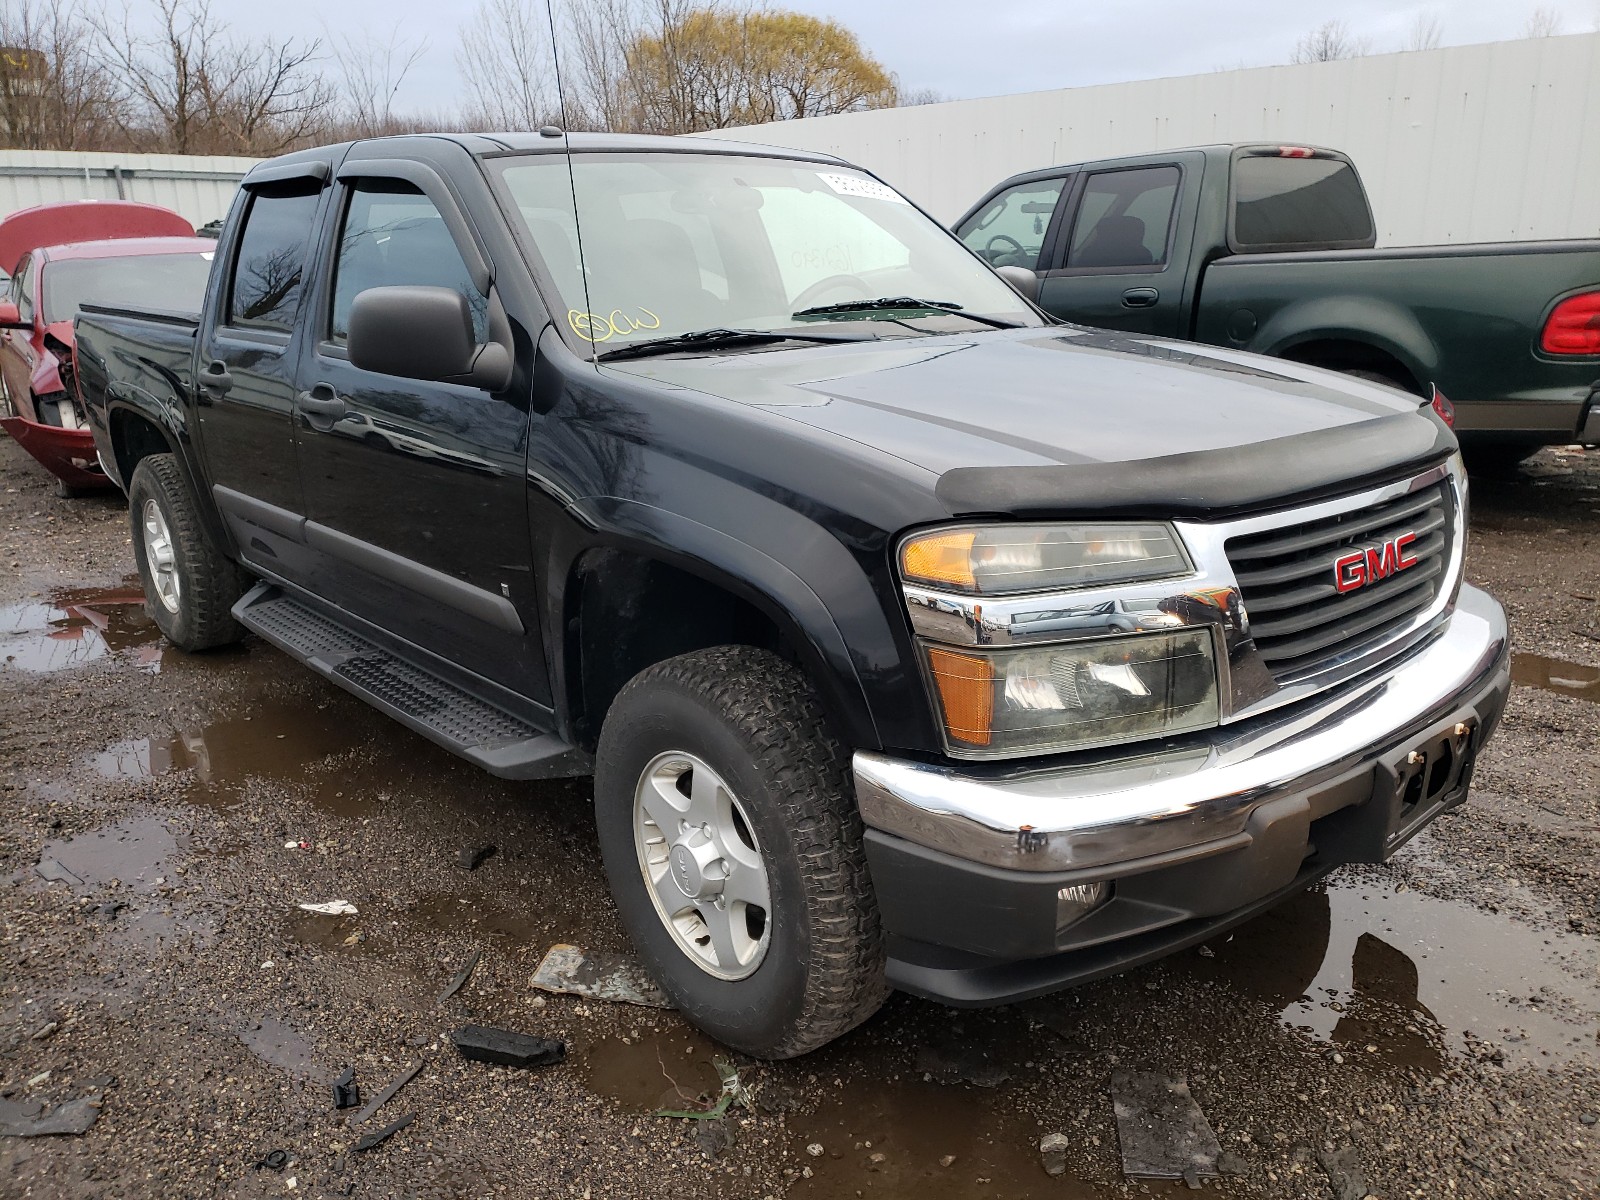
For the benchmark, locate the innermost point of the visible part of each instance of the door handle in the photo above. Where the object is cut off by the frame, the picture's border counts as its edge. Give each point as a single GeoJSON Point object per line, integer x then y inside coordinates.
{"type": "Point", "coordinates": [215, 378]}
{"type": "Point", "coordinates": [323, 401]}
{"type": "Point", "coordinates": [1140, 298]}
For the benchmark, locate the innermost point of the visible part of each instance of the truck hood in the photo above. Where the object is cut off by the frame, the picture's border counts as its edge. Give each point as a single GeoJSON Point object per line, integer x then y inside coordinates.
{"type": "Point", "coordinates": [1042, 420]}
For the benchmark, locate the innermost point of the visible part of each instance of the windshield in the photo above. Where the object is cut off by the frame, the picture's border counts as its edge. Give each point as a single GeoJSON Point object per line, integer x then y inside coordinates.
{"type": "Point", "coordinates": [170, 282]}
{"type": "Point", "coordinates": [678, 243]}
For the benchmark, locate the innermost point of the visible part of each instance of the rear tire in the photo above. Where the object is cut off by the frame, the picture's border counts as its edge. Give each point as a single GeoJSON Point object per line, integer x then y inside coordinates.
{"type": "Point", "coordinates": [747, 722]}
{"type": "Point", "coordinates": [189, 586]}
{"type": "Point", "coordinates": [1497, 460]}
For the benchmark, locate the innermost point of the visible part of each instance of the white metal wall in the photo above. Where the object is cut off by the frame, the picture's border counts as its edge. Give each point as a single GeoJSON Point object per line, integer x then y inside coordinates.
{"type": "Point", "coordinates": [1465, 144]}
{"type": "Point", "coordinates": [199, 186]}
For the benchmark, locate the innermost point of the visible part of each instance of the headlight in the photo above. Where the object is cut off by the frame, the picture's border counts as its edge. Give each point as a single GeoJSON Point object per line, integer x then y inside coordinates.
{"type": "Point", "coordinates": [1090, 693]}
{"type": "Point", "coordinates": [1004, 559]}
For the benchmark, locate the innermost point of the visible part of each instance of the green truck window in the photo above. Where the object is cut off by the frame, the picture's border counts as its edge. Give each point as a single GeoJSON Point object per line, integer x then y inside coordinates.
{"type": "Point", "coordinates": [1287, 202]}
{"type": "Point", "coordinates": [1010, 230]}
{"type": "Point", "coordinates": [1124, 217]}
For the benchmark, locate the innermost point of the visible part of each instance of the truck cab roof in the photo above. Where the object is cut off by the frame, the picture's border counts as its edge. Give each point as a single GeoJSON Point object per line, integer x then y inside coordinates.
{"type": "Point", "coordinates": [488, 145]}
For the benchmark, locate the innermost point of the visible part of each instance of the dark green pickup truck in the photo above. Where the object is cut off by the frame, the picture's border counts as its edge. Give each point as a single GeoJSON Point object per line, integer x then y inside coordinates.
{"type": "Point", "coordinates": [1270, 249]}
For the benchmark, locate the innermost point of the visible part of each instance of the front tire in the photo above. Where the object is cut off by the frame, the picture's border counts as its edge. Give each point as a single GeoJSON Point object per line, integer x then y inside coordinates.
{"type": "Point", "coordinates": [734, 849]}
{"type": "Point", "coordinates": [189, 586]}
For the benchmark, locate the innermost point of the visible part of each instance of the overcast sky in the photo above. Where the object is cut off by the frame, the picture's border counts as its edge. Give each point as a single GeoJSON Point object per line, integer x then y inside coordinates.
{"type": "Point", "coordinates": [965, 48]}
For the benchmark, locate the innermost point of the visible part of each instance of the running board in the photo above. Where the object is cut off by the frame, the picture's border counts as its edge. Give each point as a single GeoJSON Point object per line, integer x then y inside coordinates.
{"type": "Point", "coordinates": [480, 732]}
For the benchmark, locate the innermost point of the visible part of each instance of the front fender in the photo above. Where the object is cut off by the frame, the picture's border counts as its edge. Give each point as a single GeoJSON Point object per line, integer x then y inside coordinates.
{"type": "Point", "coordinates": [801, 596]}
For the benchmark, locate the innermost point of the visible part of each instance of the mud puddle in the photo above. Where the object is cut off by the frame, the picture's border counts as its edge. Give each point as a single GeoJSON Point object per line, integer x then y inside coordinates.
{"type": "Point", "coordinates": [283, 743]}
{"type": "Point", "coordinates": [281, 1046]}
{"type": "Point", "coordinates": [478, 916]}
{"type": "Point", "coordinates": [134, 853]}
{"type": "Point", "coordinates": [654, 1066]}
{"type": "Point", "coordinates": [910, 1138]}
{"type": "Point", "coordinates": [1554, 675]}
{"type": "Point", "coordinates": [1405, 980]}
{"type": "Point", "coordinates": [76, 627]}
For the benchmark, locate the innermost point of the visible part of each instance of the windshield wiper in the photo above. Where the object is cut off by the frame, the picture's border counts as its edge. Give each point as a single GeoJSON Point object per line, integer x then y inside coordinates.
{"type": "Point", "coordinates": [904, 302]}
{"type": "Point", "coordinates": [720, 339]}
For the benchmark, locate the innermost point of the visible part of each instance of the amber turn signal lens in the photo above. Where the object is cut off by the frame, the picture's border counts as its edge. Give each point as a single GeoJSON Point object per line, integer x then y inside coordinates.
{"type": "Point", "coordinates": [966, 693]}
{"type": "Point", "coordinates": [940, 558]}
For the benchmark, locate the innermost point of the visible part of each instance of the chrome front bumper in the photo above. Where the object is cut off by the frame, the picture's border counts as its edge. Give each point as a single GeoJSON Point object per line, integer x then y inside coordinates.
{"type": "Point", "coordinates": [1198, 798]}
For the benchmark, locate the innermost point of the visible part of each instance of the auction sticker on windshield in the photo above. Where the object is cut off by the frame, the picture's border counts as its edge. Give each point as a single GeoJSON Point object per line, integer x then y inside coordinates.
{"type": "Point", "coordinates": [854, 185]}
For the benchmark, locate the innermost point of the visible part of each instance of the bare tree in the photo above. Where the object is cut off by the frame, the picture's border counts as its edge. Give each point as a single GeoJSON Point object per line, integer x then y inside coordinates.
{"type": "Point", "coordinates": [1328, 42]}
{"type": "Point", "coordinates": [1542, 22]}
{"type": "Point", "coordinates": [372, 72]}
{"type": "Point", "coordinates": [594, 62]}
{"type": "Point", "coordinates": [506, 61]}
{"type": "Point", "coordinates": [915, 97]}
{"type": "Point", "coordinates": [1425, 33]}
{"type": "Point", "coordinates": [192, 88]}
{"type": "Point", "coordinates": [52, 94]}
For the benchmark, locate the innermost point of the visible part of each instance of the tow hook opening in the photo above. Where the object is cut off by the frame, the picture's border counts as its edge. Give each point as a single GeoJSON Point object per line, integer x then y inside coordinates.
{"type": "Point", "coordinates": [1432, 772]}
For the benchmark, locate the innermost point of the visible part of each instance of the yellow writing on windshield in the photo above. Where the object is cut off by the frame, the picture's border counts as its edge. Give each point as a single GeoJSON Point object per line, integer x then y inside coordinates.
{"type": "Point", "coordinates": [592, 327]}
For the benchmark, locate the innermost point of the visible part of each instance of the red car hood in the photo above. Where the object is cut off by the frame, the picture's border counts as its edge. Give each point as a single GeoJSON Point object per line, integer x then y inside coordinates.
{"type": "Point", "coordinates": [84, 221]}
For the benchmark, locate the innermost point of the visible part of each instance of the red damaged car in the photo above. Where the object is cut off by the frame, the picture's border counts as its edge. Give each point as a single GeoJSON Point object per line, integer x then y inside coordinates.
{"type": "Point", "coordinates": [61, 256]}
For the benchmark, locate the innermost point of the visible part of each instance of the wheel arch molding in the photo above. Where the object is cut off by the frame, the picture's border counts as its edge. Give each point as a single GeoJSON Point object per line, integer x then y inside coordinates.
{"type": "Point", "coordinates": [649, 584]}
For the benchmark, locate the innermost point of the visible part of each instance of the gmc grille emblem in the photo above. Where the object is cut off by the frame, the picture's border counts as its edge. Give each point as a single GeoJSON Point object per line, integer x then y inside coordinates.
{"type": "Point", "coordinates": [1361, 567]}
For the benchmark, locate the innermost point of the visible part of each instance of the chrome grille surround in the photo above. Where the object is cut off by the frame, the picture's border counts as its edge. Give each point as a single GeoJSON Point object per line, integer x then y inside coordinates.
{"type": "Point", "coordinates": [1251, 680]}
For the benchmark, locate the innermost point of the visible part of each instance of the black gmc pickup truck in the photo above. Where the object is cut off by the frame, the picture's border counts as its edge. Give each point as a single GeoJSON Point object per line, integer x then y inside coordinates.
{"type": "Point", "coordinates": [913, 640]}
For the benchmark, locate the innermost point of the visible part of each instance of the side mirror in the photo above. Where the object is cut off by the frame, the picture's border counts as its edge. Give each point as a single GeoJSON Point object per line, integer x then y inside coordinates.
{"type": "Point", "coordinates": [10, 318]}
{"type": "Point", "coordinates": [1023, 281]}
{"type": "Point", "coordinates": [423, 333]}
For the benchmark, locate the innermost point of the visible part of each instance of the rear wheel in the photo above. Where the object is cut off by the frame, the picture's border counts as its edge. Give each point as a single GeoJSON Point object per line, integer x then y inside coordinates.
{"type": "Point", "coordinates": [189, 586]}
{"type": "Point", "coordinates": [734, 850]}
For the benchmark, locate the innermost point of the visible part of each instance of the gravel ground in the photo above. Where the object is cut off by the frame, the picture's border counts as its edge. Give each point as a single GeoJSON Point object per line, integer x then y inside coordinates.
{"type": "Point", "coordinates": [1427, 1029]}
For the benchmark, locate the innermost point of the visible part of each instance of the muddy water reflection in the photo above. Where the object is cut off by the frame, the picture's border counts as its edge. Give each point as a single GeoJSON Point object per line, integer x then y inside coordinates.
{"type": "Point", "coordinates": [1411, 976]}
{"type": "Point", "coordinates": [72, 628]}
{"type": "Point", "coordinates": [891, 1138]}
{"type": "Point", "coordinates": [134, 853]}
{"type": "Point", "coordinates": [660, 1065]}
{"type": "Point", "coordinates": [1553, 675]}
{"type": "Point", "coordinates": [277, 742]}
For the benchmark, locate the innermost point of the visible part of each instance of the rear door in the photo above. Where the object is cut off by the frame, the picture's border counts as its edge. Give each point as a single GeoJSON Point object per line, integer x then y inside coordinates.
{"type": "Point", "coordinates": [416, 491]}
{"type": "Point", "coordinates": [1120, 259]}
{"type": "Point", "coordinates": [245, 383]}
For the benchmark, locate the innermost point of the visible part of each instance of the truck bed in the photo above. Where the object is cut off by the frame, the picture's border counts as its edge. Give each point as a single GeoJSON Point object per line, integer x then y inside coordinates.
{"type": "Point", "coordinates": [121, 351]}
{"type": "Point", "coordinates": [1466, 318]}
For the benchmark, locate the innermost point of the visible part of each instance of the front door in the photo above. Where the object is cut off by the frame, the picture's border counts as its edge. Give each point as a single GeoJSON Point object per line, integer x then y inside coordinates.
{"type": "Point", "coordinates": [245, 380]}
{"type": "Point", "coordinates": [416, 491]}
{"type": "Point", "coordinates": [1115, 264]}
{"type": "Point", "coordinates": [16, 346]}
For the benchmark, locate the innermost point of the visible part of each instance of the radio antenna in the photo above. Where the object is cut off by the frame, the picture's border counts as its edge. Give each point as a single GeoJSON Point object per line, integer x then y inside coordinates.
{"type": "Point", "coordinates": [572, 181]}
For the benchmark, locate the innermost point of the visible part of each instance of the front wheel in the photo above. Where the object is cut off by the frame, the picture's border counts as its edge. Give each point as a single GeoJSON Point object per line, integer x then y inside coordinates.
{"type": "Point", "coordinates": [734, 850]}
{"type": "Point", "coordinates": [189, 586]}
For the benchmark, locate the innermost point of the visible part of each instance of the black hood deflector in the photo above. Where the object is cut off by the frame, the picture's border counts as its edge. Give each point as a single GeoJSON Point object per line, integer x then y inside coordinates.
{"type": "Point", "coordinates": [1267, 474]}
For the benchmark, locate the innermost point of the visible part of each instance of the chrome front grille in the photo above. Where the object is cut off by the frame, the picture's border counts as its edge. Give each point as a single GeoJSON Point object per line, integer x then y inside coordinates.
{"type": "Point", "coordinates": [1299, 619]}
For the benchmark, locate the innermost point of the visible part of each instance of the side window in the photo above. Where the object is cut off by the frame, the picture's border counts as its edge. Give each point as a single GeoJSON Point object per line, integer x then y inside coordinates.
{"type": "Point", "coordinates": [1009, 230]}
{"type": "Point", "coordinates": [22, 289]}
{"type": "Point", "coordinates": [394, 235]}
{"type": "Point", "coordinates": [1124, 217]}
{"type": "Point", "coordinates": [272, 258]}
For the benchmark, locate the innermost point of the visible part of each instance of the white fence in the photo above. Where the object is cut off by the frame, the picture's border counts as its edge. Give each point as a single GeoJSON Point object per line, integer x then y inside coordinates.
{"type": "Point", "coordinates": [1470, 143]}
{"type": "Point", "coordinates": [199, 186]}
